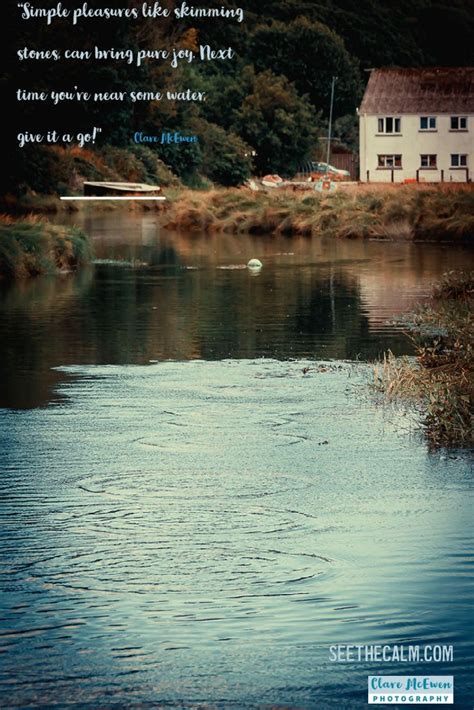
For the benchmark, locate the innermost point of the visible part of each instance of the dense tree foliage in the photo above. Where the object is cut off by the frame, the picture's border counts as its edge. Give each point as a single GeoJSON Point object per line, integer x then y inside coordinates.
{"type": "Point", "coordinates": [309, 54]}
{"type": "Point", "coordinates": [272, 99]}
{"type": "Point", "coordinates": [227, 159]}
{"type": "Point", "coordinates": [278, 123]}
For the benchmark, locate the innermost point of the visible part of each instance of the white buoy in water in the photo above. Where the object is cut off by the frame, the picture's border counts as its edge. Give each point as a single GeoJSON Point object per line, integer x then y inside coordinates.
{"type": "Point", "coordinates": [254, 265]}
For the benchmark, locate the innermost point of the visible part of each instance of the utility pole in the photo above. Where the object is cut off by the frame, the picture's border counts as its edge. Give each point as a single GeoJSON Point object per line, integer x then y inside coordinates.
{"type": "Point", "coordinates": [333, 89]}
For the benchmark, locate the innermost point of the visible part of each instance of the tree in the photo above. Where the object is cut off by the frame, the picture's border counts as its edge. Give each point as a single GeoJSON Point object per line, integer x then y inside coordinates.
{"type": "Point", "coordinates": [225, 92]}
{"type": "Point", "coordinates": [346, 130]}
{"type": "Point", "coordinates": [227, 160]}
{"type": "Point", "coordinates": [380, 33]}
{"type": "Point", "coordinates": [278, 123]}
{"type": "Point", "coordinates": [309, 54]}
{"type": "Point", "coordinates": [184, 159]}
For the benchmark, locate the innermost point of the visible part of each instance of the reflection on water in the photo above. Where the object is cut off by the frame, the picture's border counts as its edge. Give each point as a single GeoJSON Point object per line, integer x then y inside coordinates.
{"type": "Point", "coordinates": [198, 534]}
{"type": "Point", "coordinates": [157, 296]}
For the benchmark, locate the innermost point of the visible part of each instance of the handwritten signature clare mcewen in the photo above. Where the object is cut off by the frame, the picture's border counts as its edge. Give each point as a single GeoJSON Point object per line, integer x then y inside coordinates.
{"type": "Point", "coordinates": [165, 138]}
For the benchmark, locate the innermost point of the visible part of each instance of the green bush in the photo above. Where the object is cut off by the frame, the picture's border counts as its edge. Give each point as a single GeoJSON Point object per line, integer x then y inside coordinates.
{"type": "Point", "coordinates": [30, 248]}
{"type": "Point", "coordinates": [156, 170]}
{"type": "Point", "coordinates": [50, 170]}
{"type": "Point", "coordinates": [125, 163]}
{"type": "Point", "coordinates": [42, 169]}
{"type": "Point", "coordinates": [442, 379]}
{"type": "Point", "coordinates": [226, 157]}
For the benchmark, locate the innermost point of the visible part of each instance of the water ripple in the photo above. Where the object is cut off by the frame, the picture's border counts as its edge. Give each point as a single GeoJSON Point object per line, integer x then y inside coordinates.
{"type": "Point", "coordinates": [202, 532]}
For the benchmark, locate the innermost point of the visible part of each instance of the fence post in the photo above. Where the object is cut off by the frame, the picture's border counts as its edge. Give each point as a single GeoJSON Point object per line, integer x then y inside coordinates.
{"type": "Point", "coordinates": [418, 175]}
{"type": "Point", "coordinates": [368, 175]}
{"type": "Point", "coordinates": [442, 176]}
{"type": "Point", "coordinates": [393, 175]}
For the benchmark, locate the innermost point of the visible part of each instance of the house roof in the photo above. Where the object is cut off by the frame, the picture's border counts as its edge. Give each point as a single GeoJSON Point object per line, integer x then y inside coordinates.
{"type": "Point", "coordinates": [415, 91]}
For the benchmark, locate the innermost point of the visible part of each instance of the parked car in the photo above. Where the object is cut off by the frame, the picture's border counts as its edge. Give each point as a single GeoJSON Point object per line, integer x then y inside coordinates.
{"type": "Point", "coordinates": [321, 170]}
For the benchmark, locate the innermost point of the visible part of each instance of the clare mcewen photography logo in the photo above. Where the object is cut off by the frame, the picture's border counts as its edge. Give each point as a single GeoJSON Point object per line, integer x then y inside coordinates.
{"type": "Point", "coordinates": [165, 138]}
{"type": "Point", "coordinates": [411, 690]}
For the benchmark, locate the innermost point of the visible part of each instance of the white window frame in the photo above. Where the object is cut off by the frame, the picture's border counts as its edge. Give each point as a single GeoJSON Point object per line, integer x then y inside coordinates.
{"type": "Point", "coordinates": [384, 160]}
{"type": "Point", "coordinates": [426, 158]}
{"type": "Point", "coordinates": [431, 123]}
{"type": "Point", "coordinates": [456, 123]}
{"type": "Point", "coordinates": [459, 160]}
{"type": "Point", "coordinates": [382, 123]}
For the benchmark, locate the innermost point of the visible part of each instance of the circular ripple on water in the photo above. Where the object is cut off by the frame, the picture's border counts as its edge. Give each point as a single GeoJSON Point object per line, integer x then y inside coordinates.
{"type": "Point", "coordinates": [194, 536]}
{"type": "Point", "coordinates": [193, 484]}
{"type": "Point", "coordinates": [174, 444]}
{"type": "Point", "coordinates": [189, 570]}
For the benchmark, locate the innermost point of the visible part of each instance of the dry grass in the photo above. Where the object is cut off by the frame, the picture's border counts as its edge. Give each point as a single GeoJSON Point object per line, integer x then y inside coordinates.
{"type": "Point", "coordinates": [441, 379]}
{"type": "Point", "coordinates": [454, 285]}
{"type": "Point", "coordinates": [402, 212]}
{"type": "Point", "coordinates": [31, 247]}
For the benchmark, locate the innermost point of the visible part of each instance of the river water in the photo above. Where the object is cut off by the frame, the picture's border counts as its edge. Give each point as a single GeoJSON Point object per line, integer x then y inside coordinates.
{"type": "Point", "coordinates": [199, 494]}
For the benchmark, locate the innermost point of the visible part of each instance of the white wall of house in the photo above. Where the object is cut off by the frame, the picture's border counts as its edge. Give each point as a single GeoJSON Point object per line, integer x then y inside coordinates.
{"type": "Point", "coordinates": [411, 143]}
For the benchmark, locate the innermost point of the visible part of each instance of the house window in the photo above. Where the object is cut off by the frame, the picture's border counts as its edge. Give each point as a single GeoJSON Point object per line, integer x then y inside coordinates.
{"type": "Point", "coordinates": [390, 124]}
{"type": "Point", "coordinates": [459, 123]}
{"type": "Point", "coordinates": [389, 161]}
{"type": "Point", "coordinates": [428, 161]}
{"type": "Point", "coordinates": [427, 123]}
{"type": "Point", "coordinates": [458, 160]}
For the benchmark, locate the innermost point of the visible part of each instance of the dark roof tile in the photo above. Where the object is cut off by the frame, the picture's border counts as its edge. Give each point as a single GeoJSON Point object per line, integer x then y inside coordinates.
{"type": "Point", "coordinates": [416, 91]}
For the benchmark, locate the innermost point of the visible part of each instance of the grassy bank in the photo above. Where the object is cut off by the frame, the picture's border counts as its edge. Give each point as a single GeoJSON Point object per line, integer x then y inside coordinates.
{"type": "Point", "coordinates": [392, 212]}
{"type": "Point", "coordinates": [47, 172]}
{"type": "Point", "coordinates": [33, 247]}
{"type": "Point", "coordinates": [441, 379]}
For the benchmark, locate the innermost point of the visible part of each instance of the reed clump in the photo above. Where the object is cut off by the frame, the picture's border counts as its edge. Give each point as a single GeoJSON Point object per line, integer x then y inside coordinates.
{"type": "Point", "coordinates": [31, 247]}
{"type": "Point", "coordinates": [441, 378]}
{"type": "Point", "coordinates": [354, 212]}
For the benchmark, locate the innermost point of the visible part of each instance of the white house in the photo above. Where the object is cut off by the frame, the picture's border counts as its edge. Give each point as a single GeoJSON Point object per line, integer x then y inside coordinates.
{"type": "Point", "coordinates": [418, 124]}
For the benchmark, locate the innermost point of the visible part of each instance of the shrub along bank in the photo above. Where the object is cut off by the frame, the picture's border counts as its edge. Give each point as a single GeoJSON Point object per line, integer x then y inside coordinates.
{"type": "Point", "coordinates": [33, 247]}
{"type": "Point", "coordinates": [441, 379]}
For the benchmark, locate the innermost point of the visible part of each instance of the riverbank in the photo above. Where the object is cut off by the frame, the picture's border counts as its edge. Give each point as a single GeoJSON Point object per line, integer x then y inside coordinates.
{"type": "Point", "coordinates": [354, 212]}
{"type": "Point", "coordinates": [32, 247]}
{"type": "Point", "coordinates": [53, 206]}
{"type": "Point", "coordinates": [44, 173]}
{"type": "Point", "coordinates": [441, 379]}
